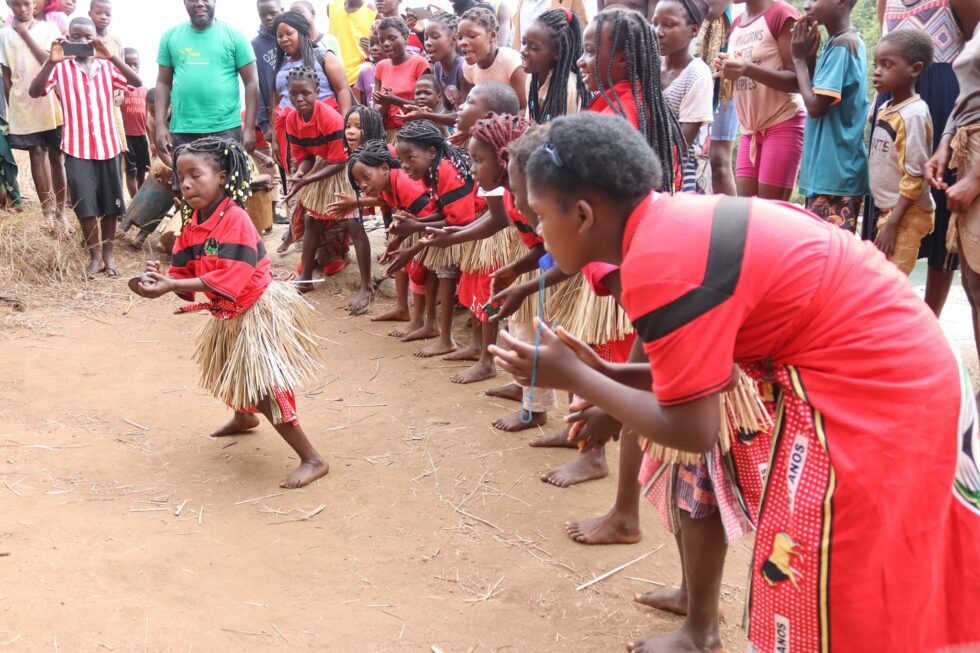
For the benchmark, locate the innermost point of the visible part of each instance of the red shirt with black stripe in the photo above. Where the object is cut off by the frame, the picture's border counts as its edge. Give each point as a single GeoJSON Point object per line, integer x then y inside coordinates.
{"type": "Point", "coordinates": [455, 197]}
{"type": "Point", "coordinates": [625, 95]}
{"type": "Point", "coordinates": [322, 136]}
{"type": "Point", "coordinates": [524, 229]}
{"type": "Point", "coordinates": [407, 195]}
{"type": "Point", "coordinates": [226, 253]}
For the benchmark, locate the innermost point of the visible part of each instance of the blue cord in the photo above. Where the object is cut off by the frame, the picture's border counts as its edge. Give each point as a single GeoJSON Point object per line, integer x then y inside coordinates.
{"type": "Point", "coordinates": [544, 264]}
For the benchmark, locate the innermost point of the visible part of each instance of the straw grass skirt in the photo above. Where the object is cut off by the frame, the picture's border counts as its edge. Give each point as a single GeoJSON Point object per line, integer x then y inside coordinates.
{"type": "Point", "coordinates": [270, 347]}
{"type": "Point", "coordinates": [593, 319]}
{"type": "Point", "coordinates": [488, 254]}
{"type": "Point", "coordinates": [316, 197]}
{"type": "Point", "coordinates": [391, 135]}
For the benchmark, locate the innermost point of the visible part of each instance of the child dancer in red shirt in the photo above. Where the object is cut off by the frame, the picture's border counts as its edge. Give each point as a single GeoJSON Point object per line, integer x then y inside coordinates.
{"type": "Point", "coordinates": [261, 343]}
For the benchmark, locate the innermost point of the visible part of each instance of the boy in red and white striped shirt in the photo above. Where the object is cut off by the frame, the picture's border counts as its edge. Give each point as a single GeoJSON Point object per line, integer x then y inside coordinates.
{"type": "Point", "coordinates": [90, 140]}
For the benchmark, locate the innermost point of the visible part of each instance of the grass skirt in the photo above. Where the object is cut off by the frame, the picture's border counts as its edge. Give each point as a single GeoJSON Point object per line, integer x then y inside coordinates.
{"type": "Point", "coordinates": [488, 254]}
{"type": "Point", "coordinates": [587, 316]}
{"type": "Point", "coordinates": [270, 347]}
{"type": "Point", "coordinates": [316, 197]}
{"type": "Point", "coordinates": [391, 135]}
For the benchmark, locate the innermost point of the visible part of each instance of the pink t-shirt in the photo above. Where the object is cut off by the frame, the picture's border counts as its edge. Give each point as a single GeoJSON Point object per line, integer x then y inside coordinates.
{"type": "Point", "coordinates": [504, 64]}
{"type": "Point", "coordinates": [58, 18]}
{"type": "Point", "coordinates": [759, 106]}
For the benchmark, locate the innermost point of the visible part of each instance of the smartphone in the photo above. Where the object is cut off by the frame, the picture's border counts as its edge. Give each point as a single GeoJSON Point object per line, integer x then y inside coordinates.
{"type": "Point", "coordinates": [78, 49]}
{"type": "Point", "coordinates": [423, 13]}
{"type": "Point", "coordinates": [492, 308]}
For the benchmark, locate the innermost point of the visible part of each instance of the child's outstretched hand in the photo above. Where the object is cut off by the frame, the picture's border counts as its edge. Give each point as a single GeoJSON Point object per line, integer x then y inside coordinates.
{"type": "Point", "coordinates": [502, 279]}
{"type": "Point", "coordinates": [159, 286]}
{"type": "Point", "coordinates": [592, 427]}
{"type": "Point", "coordinates": [805, 39]}
{"type": "Point", "coordinates": [438, 237]}
{"type": "Point", "coordinates": [411, 112]}
{"type": "Point", "coordinates": [343, 204]}
{"type": "Point", "coordinates": [510, 299]}
{"type": "Point", "coordinates": [399, 260]}
{"type": "Point", "coordinates": [403, 225]}
{"type": "Point", "coordinates": [384, 96]}
{"type": "Point", "coordinates": [460, 138]}
{"type": "Point", "coordinates": [557, 365]}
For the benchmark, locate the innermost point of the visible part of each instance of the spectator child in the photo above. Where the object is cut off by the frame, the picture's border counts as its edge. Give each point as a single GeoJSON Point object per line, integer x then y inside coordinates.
{"type": "Point", "coordinates": [389, 9]}
{"type": "Point", "coordinates": [429, 103]}
{"type": "Point", "coordinates": [550, 53]}
{"type": "Point", "coordinates": [134, 125]}
{"type": "Point", "coordinates": [395, 77]}
{"type": "Point", "coordinates": [363, 88]}
{"type": "Point", "coordinates": [264, 47]}
{"type": "Point", "coordinates": [92, 143]}
{"type": "Point", "coordinates": [55, 12]}
{"type": "Point", "coordinates": [834, 174]}
{"type": "Point", "coordinates": [486, 60]}
{"type": "Point", "coordinates": [900, 146]}
{"type": "Point", "coordinates": [35, 123]}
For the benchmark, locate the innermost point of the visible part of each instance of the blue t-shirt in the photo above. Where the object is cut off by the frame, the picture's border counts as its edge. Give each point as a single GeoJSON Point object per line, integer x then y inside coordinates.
{"type": "Point", "coordinates": [835, 157]}
{"type": "Point", "coordinates": [205, 96]}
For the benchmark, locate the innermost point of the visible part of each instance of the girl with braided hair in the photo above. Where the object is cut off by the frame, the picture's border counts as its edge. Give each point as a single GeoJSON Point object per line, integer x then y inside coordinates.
{"type": "Point", "coordinates": [442, 46]}
{"type": "Point", "coordinates": [261, 343]}
{"type": "Point", "coordinates": [621, 64]}
{"type": "Point", "coordinates": [487, 60]}
{"type": "Point", "coordinates": [550, 53]}
{"type": "Point", "coordinates": [377, 176]}
{"type": "Point", "coordinates": [315, 132]}
{"type": "Point", "coordinates": [425, 155]}
{"type": "Point", "coordinates": [395, 76]}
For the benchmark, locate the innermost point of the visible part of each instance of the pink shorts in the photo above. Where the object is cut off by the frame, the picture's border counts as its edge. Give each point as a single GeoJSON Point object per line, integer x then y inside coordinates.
{"type": "Point", "coordinates": [779, 151]}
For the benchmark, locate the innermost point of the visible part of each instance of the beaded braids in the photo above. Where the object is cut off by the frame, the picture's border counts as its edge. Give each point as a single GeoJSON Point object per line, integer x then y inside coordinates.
{"type": "Point", "coordinates": [373, 154]}
{"type": "Point", "coordinates": [229, 156]}
{"type": "Point", "coordinates": [565, 32]}
{"type": "Point", "coordinates": [499, 131]}
{"type": "Point", "coordinates": [372, 124]}
{"type": "Point", "coordinates": [633, 36]}
{"type": "Point", "coordinates": [425, 134]}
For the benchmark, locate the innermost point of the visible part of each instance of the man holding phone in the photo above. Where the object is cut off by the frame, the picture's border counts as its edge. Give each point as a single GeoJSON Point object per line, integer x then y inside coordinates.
{"type": "Point", "coordinates": [85, 73]}
{"type": "Point", "coordinates": [200, 63]}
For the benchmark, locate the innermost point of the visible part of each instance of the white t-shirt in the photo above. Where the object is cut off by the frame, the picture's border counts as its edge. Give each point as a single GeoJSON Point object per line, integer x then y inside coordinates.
{"type": "Point", "coordinates": [690, 97]}
{"type": "Point", "coordinates": [25, 114]}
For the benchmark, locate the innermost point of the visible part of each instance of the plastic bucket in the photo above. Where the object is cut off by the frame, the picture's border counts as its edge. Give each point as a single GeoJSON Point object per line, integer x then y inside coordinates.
{"type": "Point", "coordinates": [151, 203]}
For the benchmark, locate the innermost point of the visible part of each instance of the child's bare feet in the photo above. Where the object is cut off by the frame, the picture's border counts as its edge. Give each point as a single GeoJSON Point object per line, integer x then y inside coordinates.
{"type": "Point", "coordinates": [515, 421]}
{"type": "Point", "coordinates": [482, 371]}
{"type": "Point", "coordinates": [437, 348]}
{"type": "Point", "coordinates": [469, 353]}
{"type": "Point", "coordinates": [422, 333]}
{"type": "Point", "coordinates": [394, 315]}
{"type": "Point", "coordinates": [584, 467]}
{"type": "Point", "coordinates": [240, 423]}
{"type": "Point", "coordinates": [677, 642]}
{"type": "Point", "coordinates": [306, 473]}
{"type": "Point", "coordinates": [611, 528]}
{"type": "Point", "coordinates": [558, 439]}
{"type": "Point", "coordinates": [668, 599]}
{"type": "Point", "coordinates": [511, 391]}
{"type": "Point", "coordinates": [361, 301]}
{"type": "Point", "coordinates": [93, 268]}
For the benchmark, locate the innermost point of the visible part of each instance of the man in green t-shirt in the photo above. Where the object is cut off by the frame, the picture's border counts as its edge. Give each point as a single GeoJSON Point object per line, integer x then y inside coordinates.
{"type": "Point", "coordinates": [200, 64]}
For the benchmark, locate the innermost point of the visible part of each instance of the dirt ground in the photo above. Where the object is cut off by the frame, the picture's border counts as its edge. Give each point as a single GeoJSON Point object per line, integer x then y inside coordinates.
{"type": "Point", "coordinates": [126, 528]}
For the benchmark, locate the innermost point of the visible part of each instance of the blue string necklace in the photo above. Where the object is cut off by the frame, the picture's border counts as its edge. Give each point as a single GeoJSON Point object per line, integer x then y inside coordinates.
{"type": "Point", "coordinates": [545, 263]}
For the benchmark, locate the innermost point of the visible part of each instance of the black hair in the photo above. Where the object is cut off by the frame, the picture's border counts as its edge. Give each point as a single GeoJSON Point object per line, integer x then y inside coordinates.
{"type": "Point", "coordinates": [695, 10]}
{"type": "Point", "coordinates": [92, 4]}
{"type": "Point", "coordinates": [482, 16]}
{"type": "Point", "coordinates": [915, 46]}
{"type": "Point", "coordinates": [521, 150]}
{"type": "Point", "coordinates": [302, 74]}
{"type": "Point", "coordinates": [633, 35]}
{"type": "Point", "coordinates": [373, 154]}
{"type": "Point", "coordinates": [395, 23]}
{"type": "Point", "coordinates": [299, 23]}
{"type": "Point", "coordinates": [432, 79]}
{"type": "Point", "coordinates": [500, 98]}
{"type": "Point", "coordinates": [128, 50]}
{"type": "Point", "coordinates": [305, 3]}
{"type": "Point", "coordinates": [81, 20]}
{"type": "Point", "coordinates": [372, 124]}
{"type": "Point", "coordinates": [425, 134]}
{"type": "Point", "coordinates": [578, 154]}
{"type": "Point", "coordinates": [447, 20]}
{"type": "Point", "coordinates": [229, 156]}
{"type": "Point", "coordinates": [565, 33]}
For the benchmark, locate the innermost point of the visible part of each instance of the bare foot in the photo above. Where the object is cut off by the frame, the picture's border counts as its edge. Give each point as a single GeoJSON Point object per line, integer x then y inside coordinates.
{"type": "Point", "coordinates": [584, 467]}
{"type": "Point", "coordinates": [510, 391]}
{"type": "Point", "coordinates": [306, 473]}
{"type": "Point", "coordinates": [402, 330]}
{"type": "Point", "coordinates": [611, 528]}
{"type": "Point", "coordinates": [396, 315]}
{"type": "Point", "coordinates": [240, 423]}
{"type": "Point", "coordinates": [109, 265]}
{"type": "Point", "coordinates": [465, 354]}
{"type": "Point", "coordinates": [478, 372]}
{"type": "Point", "coordinates": [679, 642]}
{"type": "Point", "coordinates": [283, 248]}
{"type": "Point", "coordinates": [515, 421]}
{"type": "Point", "coordinates": [361, 301]}
{"type": "Point", "coordinates": [559, 439]}
{"type": "Point", "coordinates": [422, 333]}
{"type": "Point", "coordinates": [437, 348]}
{"type": "Point", "coordinates": [93, 268]}
{"type": "Point", "coordinates": [668, 599]}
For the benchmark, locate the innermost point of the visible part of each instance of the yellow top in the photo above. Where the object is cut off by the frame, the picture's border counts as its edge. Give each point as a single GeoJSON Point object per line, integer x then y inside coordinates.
{"type": "Point", "coordinates": [350, 28]}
